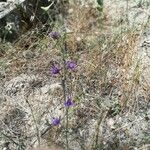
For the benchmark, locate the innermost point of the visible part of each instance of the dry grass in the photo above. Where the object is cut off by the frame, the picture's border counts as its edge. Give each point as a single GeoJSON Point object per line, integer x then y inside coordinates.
{"type": "Point", "coordinates": [106, 62]}
{"type": "Point", "coordinates": [51, 148]}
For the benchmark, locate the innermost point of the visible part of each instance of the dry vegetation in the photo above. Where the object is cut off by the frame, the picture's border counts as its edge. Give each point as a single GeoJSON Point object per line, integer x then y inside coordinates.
{"type": "Point", "coordinates": [106, 87]}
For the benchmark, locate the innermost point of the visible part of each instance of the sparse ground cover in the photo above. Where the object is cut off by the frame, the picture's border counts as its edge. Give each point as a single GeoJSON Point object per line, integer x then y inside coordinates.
{"type": "Point", "coordinates": [83, 86]}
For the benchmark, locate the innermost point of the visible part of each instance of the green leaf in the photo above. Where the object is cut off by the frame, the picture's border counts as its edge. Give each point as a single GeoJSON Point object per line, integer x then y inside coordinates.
{"type": "Point", "coordinates": [48, 7]}
{"type": "Point", "coordinates": [100, 2]}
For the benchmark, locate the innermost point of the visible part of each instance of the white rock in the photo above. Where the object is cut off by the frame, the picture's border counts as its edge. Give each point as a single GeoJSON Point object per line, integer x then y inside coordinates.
{"type": "Point", "coordinates": [7, 7]}
{"type": "Point", "coordinates": [110, 123]}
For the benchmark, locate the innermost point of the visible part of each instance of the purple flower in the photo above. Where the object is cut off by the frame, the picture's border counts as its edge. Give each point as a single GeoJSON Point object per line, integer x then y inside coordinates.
{"type": "Point", "coordinates": [55, 70]}
{"type": "Point", "coordinates": [56, 121]}
{"type": "Point", "coordinates": [71, 65]}
{"type": "Point", "coordinates": [55, 35]}
{"type": "Point", "coordinates": [69, 102]}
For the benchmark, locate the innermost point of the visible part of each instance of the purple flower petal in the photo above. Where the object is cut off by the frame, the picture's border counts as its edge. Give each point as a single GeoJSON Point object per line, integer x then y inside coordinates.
{"type": "Point", "coordinates": [69, 102]}
{"type": "Point", "coordinates": [56, 121]}
{"type": "Point", "coordinates": [55, 70]}
{"type": "Point", "coordinates": [55, 35]}
{"type": "Point", "coordinates": [71, 65]}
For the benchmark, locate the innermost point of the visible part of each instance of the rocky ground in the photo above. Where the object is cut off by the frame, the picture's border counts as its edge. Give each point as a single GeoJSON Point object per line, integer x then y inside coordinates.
{"type": "Point", "coordinates": [110, 87]}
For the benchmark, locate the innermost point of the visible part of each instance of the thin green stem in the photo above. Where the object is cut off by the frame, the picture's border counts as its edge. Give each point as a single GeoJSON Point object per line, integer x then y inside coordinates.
{"type": "Point", "coordinates": [64, 51]}
{"type": "Point", "coordinates": [67, 143]}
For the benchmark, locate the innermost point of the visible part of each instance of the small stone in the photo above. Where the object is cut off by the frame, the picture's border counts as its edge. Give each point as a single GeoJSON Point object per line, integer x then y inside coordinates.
{"type": "Point", "coordinates": [78, 39]}
{"type": "Point", "coordinates": [110, 123]}
{"type": "Point", "coordinates": [70, 11]}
